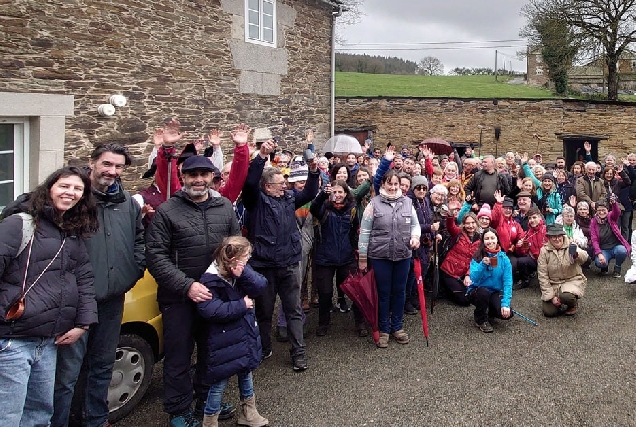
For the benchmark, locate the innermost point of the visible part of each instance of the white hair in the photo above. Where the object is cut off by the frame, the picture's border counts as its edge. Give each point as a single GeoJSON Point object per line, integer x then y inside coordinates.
{"type": "Point", "coordinates": [590, 164]}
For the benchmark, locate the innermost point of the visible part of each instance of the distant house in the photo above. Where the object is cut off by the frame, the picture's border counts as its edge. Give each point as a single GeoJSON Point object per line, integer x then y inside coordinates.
{"type": "Point", "coordinates": [590, 75]}
{"type": "Point", "coordinates": [210, 63]}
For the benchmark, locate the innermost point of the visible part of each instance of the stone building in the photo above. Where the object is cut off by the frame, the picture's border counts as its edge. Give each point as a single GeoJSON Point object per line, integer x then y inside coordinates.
{"type": "Point", "coordinates": [563, 125]}
{"type": "Point", "coordinates": [211, 63]}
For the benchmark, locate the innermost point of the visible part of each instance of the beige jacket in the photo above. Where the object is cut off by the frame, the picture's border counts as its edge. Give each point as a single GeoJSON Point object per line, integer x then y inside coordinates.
{"type": "Point", "coordinates": [556, 273]}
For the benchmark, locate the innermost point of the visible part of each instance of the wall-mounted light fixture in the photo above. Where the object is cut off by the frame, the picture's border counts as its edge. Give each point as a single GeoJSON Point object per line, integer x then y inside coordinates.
{"type": "Point", "coordinates": [118, 100]}
{"type": "Point", "coordinates": [106, 110]}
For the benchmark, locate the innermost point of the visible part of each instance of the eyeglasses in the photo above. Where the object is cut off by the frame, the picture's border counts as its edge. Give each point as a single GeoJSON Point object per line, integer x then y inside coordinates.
{"type": "Point", "coordinates": [276, 183]}
{"type": "Point", "coordinates": [419, 188]}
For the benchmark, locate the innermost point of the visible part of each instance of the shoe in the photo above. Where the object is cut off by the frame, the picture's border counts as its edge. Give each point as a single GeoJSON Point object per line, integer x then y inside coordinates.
{"type": "Point", "coordinates": [322, 330]}
{"type": "Point", "coordinates": [604, 271]}
{"type": "Point", "coordinates": [227, 411]}
{"type": "Point", "coordinates": [314, 301]}
{"type": "Point", "coordinates": [266, 354]}
{"type": "Point", "coordinates": [362, 330]}
{"type": "Point", "coordinates": [485, 327]}
{"type": "Point", "coordinates": [409, 309]}
{"type": "Point", "coordinates": [249, 416]}
{"type": "Point", "coordinates": [571, 311]}
{"type": "Point", "coordinates": [281, 334]}
{"type": "Point", "coordinates": [617, 272]}
{"type": "Point", "coordinates": [343, 306]}
{"type": "Point", "coordinates": [521, 284]}
{"type": "Point", "coordinates": [299, 362]}
{"type": "Point", "coordinates": [415, 302]}
{"type": "Point", "coordinates": [184, 419]}
{"type": "Point", "coordinates": [306, 305]}
{"type": "Point", "coordinates": [210, 420]}
{"type": "Point", "coordinates": [400, 337]}
{"type": "Point", "coordinates": [384, 340]}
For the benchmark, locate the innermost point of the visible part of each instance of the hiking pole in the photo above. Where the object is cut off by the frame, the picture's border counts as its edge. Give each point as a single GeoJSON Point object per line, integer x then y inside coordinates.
{"type": "Point", "coordinates": [532, 322]}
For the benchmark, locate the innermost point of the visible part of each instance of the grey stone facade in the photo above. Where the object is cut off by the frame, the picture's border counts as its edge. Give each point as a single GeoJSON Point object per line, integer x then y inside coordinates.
{"type": "Point", "coordinates": [182, 58]}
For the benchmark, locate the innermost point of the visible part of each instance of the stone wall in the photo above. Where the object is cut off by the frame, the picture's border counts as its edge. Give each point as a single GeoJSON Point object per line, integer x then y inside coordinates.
{"type": "Point", "coordinates": [182, 58]}
{"type": "Point", "coordinates": [407, 120]}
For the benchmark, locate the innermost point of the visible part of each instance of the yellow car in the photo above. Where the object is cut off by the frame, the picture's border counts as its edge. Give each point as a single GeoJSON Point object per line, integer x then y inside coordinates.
{"type": "Point", "coordinates": [140, 346]}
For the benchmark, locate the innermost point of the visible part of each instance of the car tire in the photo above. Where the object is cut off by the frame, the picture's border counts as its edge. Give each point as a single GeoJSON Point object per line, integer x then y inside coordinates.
{"type": "Point", "coordinates": [132, 374]}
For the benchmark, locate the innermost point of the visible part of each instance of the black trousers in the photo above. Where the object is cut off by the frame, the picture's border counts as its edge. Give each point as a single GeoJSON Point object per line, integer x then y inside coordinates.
{"type": "Point", "coordinates": [455, 287]}
{"type": "Point", "coordinates": [487, 304]}
{"type": "Point", "coordinates": [182, 328]}
{"type": "Point", "coordinates": [324, 282]}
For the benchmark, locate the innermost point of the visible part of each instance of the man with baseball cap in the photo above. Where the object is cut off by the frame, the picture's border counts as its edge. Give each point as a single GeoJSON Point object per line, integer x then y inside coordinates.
{"type": "Point", "coordinates": [183, 234]}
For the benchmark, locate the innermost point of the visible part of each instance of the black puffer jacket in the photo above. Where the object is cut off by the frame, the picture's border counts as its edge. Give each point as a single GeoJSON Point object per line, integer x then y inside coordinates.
{"type": "Point", "coordinates": [181, 239]}
{"type": "Point", "coordinates": [62, 298]}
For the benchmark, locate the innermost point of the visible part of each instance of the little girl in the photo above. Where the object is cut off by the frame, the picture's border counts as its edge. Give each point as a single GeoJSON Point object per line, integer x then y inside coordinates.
{"type": "Point", "coordinates": [234, 343]}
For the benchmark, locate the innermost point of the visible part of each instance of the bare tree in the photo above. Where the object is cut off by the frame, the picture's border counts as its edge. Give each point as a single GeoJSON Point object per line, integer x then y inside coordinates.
{"type": "Point", "coordinates": [606, 24]}
{"type": "Point", "coordinates": [352, 14]}
{"type": "Point", "coordinates": [430, 66]}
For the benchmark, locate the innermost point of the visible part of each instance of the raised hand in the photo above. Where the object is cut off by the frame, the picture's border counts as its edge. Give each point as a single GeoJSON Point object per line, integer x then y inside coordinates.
{"type": "Point", "coordinates": [172, 132]}
{"type": "Point", "coordinates": [240, 134]}
{"type": "Point", "coordinates": [214, 136]}
{"type": "Point", "coordinates": [199, 144]}
{"type": "Point", "coordinates": [499, 197]}
{"type": "Point", "coordinates": [573, 201]}
{"type": "Point", "coordinates": [309, 136]}
{"type": "Point", "coordinates": [157, 137]}
{"type": "Point", "coordinates": [524, 158]}
{"type": "Point", "coordinates": [389, 154]}
{"type": "Point", "coordinates": [266, 148]}
{"type": "Point", "coordinates": [587, 146]}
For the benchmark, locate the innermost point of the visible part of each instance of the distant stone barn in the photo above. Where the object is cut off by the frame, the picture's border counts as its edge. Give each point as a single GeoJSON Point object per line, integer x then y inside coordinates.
{"type": "Point", "coordinates": [211, 63]}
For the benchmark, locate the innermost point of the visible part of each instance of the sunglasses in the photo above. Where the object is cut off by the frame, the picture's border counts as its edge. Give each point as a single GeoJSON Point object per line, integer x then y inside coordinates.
{"type": "Point", "coordinates": [419, 188]}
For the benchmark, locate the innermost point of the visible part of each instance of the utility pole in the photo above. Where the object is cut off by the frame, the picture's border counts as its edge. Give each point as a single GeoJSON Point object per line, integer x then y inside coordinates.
{"type": "Point", "coordinates": [496, 65]}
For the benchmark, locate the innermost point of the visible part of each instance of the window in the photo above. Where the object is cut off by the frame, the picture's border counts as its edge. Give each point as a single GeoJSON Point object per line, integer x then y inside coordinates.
{"type": "Point", "coordinates": [13, 159]}
{"type": "Point", "coordinates": [260, 22]}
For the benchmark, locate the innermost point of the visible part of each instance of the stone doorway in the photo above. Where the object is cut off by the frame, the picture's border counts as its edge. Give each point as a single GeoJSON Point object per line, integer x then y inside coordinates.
{"type": "Point", "coordinates": [573, 146]}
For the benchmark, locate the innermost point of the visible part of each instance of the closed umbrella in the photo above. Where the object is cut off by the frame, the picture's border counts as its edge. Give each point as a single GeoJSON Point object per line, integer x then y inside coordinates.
{"type": "Point", "coordinates": [417, 269]}
{"type": "Point", "coordinates": [342, 144]}
{"type": "Point", "coordinates": [361, 289]}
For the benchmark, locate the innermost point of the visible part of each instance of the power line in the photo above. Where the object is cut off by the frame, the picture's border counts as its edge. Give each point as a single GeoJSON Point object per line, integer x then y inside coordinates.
{"type": "Point", "coordinates": [433, 43]}
{"type": "Point", "coordinates": [350, 49]}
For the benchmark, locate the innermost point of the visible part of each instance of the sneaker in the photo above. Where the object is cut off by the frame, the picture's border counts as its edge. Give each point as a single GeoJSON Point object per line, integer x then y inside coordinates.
{"type": "Point", "coordinates": [521, 284]}
{"type": "Point", "coordinates": [485, 327]}
{"type": "Point", "coordinates": [617, 272]}
{"type": "Point", "coordinates": [604, 271]}
{"type": "Point", "coordinates": [266, 354]}
{"type": "Point", "coordinates": [409, 309]}
{"type": "Point", "coordinates": [299, 362]}
{"type": "Point", "coordinates": [384, 340]}
{"type": "Point", "coordinates": [185, 419]}
{"type": "Point", "coordinates": [400, 337]}
{"type": "Point", "coordinates": [361, 329]}
{"type": "Point", "coordinates": [322, 330]}
{"type": "Point", "coordinates": [343, 306]}
{"type": "Point", "coordinates": [281, 334]}
{"type": "Point", "coordinates": [227, 411]}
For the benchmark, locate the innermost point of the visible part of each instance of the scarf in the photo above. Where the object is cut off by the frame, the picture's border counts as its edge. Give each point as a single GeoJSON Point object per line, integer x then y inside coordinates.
{"type": "Point", "coordinates": [390, 198]}
{"type": "Point", "coordinates": [492, 253]}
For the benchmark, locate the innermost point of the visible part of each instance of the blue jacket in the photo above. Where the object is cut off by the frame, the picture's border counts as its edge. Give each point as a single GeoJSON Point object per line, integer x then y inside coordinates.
{"type": "Point", "coordinates": [497, 279]}
{"type": "Point", "coordinates": [272, 227]}
{"type": "Point", "coordinates": [234, 341]}
{"type": "Point", "coordinates": [553, 200]}
{"type": "Point", "coordinates": [336, 233]}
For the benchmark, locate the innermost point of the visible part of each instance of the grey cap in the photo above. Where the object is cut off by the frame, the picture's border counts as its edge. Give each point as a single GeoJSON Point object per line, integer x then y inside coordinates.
{"type": "Point", "coordinates": [419, 180]}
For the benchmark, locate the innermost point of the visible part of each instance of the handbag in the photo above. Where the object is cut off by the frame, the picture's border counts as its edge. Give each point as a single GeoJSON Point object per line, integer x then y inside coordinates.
{"type": "Point", "coordinates": [16, 310]}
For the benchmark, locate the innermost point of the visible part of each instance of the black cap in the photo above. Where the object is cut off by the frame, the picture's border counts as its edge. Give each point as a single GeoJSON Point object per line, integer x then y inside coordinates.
{"type": "Point", "coordinates": [508, 202]}
{"type": "Point", "coordinates": [200, 163]}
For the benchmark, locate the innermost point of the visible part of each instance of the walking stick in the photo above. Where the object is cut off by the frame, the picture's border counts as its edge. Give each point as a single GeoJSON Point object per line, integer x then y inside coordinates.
{"type": "Point", "coordinates": [532, 322]}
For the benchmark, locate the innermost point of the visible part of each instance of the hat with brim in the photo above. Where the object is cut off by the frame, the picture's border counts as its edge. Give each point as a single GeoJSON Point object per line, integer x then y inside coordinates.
{"type": "Point", "coordinates": [193, 163]}
{"type": "Point", "coordinates": [508, 203]}
{"type": "Point", "coordinates": [524, 194]}
{"type": "Point", "coordinates": [555, 230]}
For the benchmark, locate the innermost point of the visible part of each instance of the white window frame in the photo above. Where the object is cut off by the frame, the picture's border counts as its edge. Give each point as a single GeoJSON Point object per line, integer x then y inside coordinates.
{"type": "Point", "coordinates": [20, 153]}
{"type": "Point", "coordinates": [260, 40]}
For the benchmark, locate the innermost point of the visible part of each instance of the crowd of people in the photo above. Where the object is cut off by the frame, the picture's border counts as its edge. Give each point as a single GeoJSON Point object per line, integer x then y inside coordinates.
{"type": "Point", "coordinates": [224, 239]}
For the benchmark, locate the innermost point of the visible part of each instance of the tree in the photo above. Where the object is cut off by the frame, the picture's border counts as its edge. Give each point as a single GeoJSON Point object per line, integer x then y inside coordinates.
{"type": "Point", "coordinates": [430, 66]}
{"type": "Point", "coordinates": [351, 14]}
{"type": "Point", "coordinates": [607, 25]}
{"type": "Point", "coordinates": [556, 41]}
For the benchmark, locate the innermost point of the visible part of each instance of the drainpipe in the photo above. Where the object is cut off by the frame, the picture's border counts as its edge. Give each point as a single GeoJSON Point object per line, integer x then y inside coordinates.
{"type": "Point", "coordinates": [335, 14]}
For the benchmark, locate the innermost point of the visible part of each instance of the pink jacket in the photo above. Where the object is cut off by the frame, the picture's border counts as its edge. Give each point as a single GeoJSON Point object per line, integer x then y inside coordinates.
{"type": "Point", "coordinates": [611, 219]}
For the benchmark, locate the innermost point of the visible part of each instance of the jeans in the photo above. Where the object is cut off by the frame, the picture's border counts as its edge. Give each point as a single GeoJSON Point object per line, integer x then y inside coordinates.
{"type": "Point", "coordinates": [92, 355]}
{"type": "Point", "coordinates": [215, 395]}
{"type": "Point", "coordinates": [390, 279]}
{"type": "Point", "coordinates": [618, 252]}
{"type": "Point", "coordinates": [283, 281]}
{"type": "Point", "coordinates": [182, 328]}
{"type": "Point", "coordinates": [27, 377]}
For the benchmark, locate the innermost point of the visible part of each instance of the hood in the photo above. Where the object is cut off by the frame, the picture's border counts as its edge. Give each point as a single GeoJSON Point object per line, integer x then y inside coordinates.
{"type": "Point", "coordinates": [20, 204]}
{"type": "Point", "coordinates": [214, 269]}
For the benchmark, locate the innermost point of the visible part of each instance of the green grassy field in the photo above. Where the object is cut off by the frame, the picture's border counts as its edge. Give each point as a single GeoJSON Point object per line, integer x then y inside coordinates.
{"type": "Point", "coordinates": [358, 84]}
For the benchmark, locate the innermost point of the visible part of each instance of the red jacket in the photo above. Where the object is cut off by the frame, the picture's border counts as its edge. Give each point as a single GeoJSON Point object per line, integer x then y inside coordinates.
{"type": "Point", "coordinates": [509, 231]}
{"type": "Point", "coordinates": [537, 238]}
{"type": "Point", "coordinates": [457, 261]}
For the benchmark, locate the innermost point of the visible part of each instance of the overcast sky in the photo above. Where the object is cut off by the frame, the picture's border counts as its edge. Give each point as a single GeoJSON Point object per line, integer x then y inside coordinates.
{"type": "Point", "coordinates": [403, 23]}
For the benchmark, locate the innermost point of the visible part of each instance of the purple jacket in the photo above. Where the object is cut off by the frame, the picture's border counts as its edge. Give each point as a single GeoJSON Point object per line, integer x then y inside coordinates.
{"type": "Point", "coordinates": [611, 219]}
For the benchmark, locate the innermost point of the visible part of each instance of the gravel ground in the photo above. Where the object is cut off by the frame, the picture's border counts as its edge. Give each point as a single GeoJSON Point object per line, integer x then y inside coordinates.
{"type": "Point", "coordinates": [568, 371]}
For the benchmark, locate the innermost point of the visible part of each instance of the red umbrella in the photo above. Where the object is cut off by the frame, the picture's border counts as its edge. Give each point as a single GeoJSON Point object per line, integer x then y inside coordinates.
{"type": "Point", "coordinates": [417, 268]}
{"type": "Point", "coordinates": [363, 292]}
{"type": "Point", "coordinates": [438, 146]}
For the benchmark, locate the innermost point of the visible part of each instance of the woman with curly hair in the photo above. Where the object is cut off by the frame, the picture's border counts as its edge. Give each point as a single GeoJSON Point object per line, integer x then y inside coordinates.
{"type": "Point", "coordinates": [46, 290]}
{"type": "Point", "coordinates": [455, 191]}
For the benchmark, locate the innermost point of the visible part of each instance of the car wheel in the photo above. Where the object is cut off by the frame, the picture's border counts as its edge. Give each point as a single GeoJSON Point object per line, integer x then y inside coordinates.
{"type": "Point", "coordinates": [132, 374]}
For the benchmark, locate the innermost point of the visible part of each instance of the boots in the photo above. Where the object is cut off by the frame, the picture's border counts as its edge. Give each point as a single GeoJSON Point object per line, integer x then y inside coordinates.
{"type": "Point", "coordinates": [249, 416]}
{"type": "Point", "coordinates": [210, 420]}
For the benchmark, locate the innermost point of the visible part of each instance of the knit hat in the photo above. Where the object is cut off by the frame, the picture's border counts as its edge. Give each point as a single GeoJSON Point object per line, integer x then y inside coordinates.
{"type": "Point", "coordinates": [485, 211]}
{"type": "Point", "coordinates": [419, 180]}
{"type": "Point", "coordinates": [549, 176]}
{"type": "Point", "coordinates": [298, 172]}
